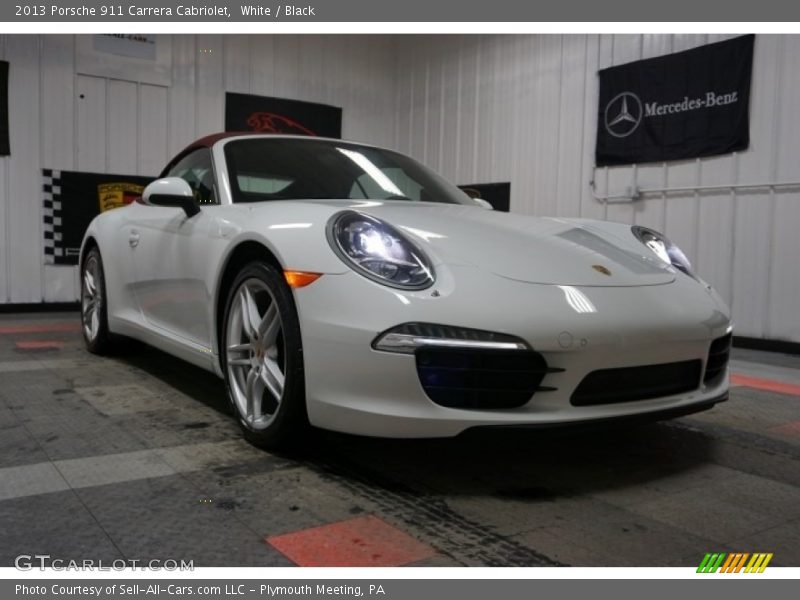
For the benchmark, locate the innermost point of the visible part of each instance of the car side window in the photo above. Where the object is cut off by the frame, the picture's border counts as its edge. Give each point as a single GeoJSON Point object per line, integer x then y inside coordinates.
{"type": "Point", "coordinates": [196, 170]}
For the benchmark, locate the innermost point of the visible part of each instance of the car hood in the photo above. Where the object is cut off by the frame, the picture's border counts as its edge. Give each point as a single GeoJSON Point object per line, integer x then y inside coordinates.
{"type": "Point", "coordinates": [525, 248]}
{"type": "Point", "coordinates": [520, 247]}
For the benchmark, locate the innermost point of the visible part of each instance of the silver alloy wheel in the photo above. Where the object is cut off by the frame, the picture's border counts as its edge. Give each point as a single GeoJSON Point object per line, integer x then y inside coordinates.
{"type": "Point", "coordinates": [91, 298]}
{"type": "Point", "coordinates": [256, 362]}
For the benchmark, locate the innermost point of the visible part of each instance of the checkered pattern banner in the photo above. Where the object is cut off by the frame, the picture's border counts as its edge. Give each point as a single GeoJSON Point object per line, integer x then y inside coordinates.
{"type": "Point", "coordinates": [72, 199]}
{"type": "Point", "coordinates": [52, 218]}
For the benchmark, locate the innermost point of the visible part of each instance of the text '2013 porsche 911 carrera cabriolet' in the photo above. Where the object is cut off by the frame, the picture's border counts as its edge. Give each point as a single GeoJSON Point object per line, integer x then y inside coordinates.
{"type": "Point", "coordinates": [351, 288]}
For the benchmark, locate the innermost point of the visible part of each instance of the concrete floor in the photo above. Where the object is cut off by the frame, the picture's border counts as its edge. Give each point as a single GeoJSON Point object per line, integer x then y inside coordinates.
{"type": "Point", "coordinates": [137, 457]}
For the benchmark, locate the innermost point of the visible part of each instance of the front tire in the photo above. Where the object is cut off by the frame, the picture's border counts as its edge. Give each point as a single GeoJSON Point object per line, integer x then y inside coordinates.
{"type": "Point", "coordinates": [262, 357]}
{"type": "Point", "coordinates": [94, 307]}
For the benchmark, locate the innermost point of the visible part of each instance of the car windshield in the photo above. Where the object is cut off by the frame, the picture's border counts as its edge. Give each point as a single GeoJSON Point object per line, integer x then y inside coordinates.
{"type": "Point", "coordinates": [262, 169]}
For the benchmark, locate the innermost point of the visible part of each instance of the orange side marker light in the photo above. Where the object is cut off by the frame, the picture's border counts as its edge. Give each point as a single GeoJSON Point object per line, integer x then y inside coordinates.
{"type": "Point", "coordinates": [298, 279]}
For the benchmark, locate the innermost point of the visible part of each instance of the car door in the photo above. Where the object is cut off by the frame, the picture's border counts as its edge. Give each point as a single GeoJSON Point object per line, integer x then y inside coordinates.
{"type": "Point", "coordinates": [170, 256]}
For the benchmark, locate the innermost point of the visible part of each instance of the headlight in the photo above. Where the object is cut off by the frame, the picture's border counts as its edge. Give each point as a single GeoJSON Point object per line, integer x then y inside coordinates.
{"type": "Point", "coordinates": [663, 248]}
{"type": "Point", "coordinates": [378, 251]}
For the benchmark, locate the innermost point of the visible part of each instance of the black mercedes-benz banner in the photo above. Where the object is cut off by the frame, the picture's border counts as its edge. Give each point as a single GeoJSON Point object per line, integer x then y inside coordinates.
{"type": "Point", "coordinates": [496, 194]}
{"type": "Point", "coordinates": [683, 105]}
{"type": "Point", "coordinates": [4, 143]}
{"type": "Point", "coordinates": [72, 199]}
{"type": "Point", "coordinates": [246, 112]}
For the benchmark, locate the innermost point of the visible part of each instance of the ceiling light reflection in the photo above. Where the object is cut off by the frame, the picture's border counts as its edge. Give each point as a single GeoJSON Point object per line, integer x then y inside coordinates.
{"type": "Point", "coordinates": [291, 226]}
{"type": "Point", "coordinates": [578, 300]}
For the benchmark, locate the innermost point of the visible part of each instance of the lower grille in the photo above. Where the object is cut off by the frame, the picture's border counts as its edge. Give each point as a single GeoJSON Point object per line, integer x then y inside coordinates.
{"type": "Point", "coordinates": [629, 384]}
{"type": "Point", "coordinates": [718, 356]}
{"type": "Point", "coordinates": [481, 379]}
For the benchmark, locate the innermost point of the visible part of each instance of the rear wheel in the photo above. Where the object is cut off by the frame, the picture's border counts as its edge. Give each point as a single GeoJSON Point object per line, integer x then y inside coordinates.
{"type": "Point", "coordinates": [262, 357]}
{"type": "Point", "coordinates": [94, 309]}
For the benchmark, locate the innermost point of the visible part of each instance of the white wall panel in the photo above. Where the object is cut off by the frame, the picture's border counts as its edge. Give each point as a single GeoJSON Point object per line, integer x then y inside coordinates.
{"type": "Point", "coordinates": [448, 106]}
{"type": "Point", "coordinates": [469, 115]}
{"type": "Point", "coordinates": [122, 126]}
{"type": "Point", "coordinates": [6, 258]}
{"type": "Point", "coordinates": [311, 70]}
{"type": "Point", "coordinates": [404, 101]}
{"type": "Point", "coordinates": [488, 90]}
{"type": "Point", "coordinates": [744, 243]}
{"type": "Point", "coordinates": [91, 124]}
{"type": "Point", "coordinates": [570, 164]}
{"type": "Point", "coordinates": [262, 65]}
{"type": "Point", "coordinates": [590, 208]}
{"type": "Point", "coordinates": [418, 125]}
{"type": "Point", "coordinates": [545, 157]}
{"type": "Point", "coordinates": [152, 128]}
{"type": "Point", "coordinates": [209, 85]}
{"type": "Point", "coordinates": [181, 119]}
{"type": "Point", "coordinates": [24, 184]}
{"type": "Point", "coordinates": [5, 201]}
{"type": "Point", "coordinates": [236, 60]}
{"type": "Point", "coordinates": [286, 73]}
{"type": "Point", "coordinates": [434, 96]}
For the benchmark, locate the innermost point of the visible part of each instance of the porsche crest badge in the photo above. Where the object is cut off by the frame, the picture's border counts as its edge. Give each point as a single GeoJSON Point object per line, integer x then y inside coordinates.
{"type": "Point", "coordinates": [114, 195]}
{"type": "Point", "coordinates": [602, 269]}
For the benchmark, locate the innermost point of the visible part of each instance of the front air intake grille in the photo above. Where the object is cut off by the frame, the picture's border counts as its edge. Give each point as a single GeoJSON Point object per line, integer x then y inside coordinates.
{"type": "Point", "coordinates": [481, 379]}
{"type": "Point", "coordinates": [718, 356]}
{"type": "Point", "coordinates": [629, 384]}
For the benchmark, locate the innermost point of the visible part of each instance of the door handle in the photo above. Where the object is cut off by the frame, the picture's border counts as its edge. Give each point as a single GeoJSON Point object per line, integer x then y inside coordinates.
{"type": "Point", "coordinates": [133, 240]}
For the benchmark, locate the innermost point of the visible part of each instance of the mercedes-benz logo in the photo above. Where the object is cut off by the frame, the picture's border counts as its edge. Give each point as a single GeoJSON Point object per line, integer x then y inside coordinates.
{"type": "Point", "coordinates": [623, 114]}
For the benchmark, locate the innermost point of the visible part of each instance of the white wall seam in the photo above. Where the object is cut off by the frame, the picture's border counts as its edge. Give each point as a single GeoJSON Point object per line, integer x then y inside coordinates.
{"type": "Point", "coordinates": [558, 119]}
{"type": "Point", "coordinates": [42, 272]}
{"type": "Point", "coordinates": [6, 201]}
{"type": "Point", "coordinates": [773, 177]}
{"type": "Point", "coordinates": [442, 96]}
{"type": "Point", "coordinates": [426, 111]}
{"type": "Point", "coordinates": [459, 82]}
{"type": "Point", "coordinates": [734, 200]}
{"type": "Point", "coordinates": [476, 121]}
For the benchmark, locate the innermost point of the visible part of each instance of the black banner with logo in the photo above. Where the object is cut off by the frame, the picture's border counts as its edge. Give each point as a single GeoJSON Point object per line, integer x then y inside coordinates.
{"type": "Point", "coordinates": [683, 105]}
{"type": "Point", "coordinates": [496, 194]}
{"type": "Point", "coordinates": [245, 112]}
{"type": "Point", "coordinates": [73, 199]}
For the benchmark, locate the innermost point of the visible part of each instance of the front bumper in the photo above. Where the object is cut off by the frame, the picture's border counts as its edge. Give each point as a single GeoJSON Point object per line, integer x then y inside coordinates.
{"type": "Point", "coordinates": [351, 387]}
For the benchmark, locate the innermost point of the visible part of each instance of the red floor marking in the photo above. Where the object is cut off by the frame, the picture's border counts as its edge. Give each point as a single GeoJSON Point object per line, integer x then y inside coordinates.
{"type": "Point", "coordinates": [770, 385]}
{"type": "Point", "coordinates": [361, 542]}
{"type": "Point", "coordinates": [64, 327]}
{"type": "Point", "coordinates": [39, 345]}
{"type": "Point", "coordinates": [791, 428]}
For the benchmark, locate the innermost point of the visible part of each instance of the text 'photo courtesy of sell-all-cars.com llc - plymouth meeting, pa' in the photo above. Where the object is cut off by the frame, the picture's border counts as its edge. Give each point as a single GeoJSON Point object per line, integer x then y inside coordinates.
{"type": "Point", "coordinates": [348, 287]}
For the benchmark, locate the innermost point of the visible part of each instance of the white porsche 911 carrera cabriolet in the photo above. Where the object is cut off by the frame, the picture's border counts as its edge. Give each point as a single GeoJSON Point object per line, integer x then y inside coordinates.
{"type": "Point", "coordinates": [351, 288]}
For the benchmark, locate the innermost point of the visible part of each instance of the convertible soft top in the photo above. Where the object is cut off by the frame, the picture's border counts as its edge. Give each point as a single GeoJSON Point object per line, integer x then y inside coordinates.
{"type": "Point", "coordinates": [213, 138]}
{"type": "Point", "coordinates": [203, 142]}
